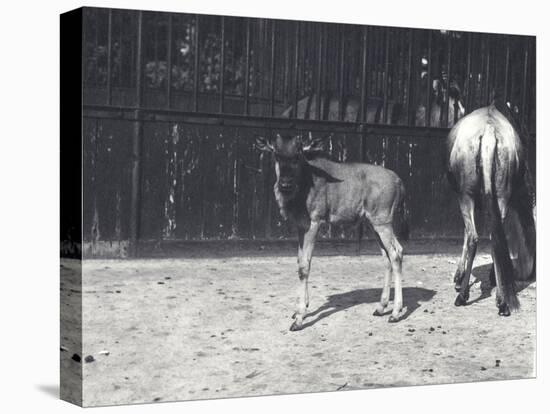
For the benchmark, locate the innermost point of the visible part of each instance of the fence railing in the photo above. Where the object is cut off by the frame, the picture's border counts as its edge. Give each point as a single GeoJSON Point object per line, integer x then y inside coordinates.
{"type": "Point", "coordinates": [165, 94]}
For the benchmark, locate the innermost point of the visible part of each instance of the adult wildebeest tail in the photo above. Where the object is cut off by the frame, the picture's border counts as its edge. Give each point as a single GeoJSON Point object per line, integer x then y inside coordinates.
{"type": "Point", "coordinates": [401, 218]}
{"type": "Point", "coordinates": [501, 254]}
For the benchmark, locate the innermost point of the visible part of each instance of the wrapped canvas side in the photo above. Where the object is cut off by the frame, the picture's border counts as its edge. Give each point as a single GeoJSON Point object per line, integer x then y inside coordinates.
{"type": "Point", "coordinates": [71, 359]}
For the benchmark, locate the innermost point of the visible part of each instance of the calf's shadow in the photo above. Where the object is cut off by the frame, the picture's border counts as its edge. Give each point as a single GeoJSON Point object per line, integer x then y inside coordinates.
{"type": "Point", "coordinates": [342, 301]}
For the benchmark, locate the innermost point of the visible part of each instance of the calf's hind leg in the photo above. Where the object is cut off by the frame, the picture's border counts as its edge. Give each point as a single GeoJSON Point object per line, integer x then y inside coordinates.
{"type": "Point", "coordinates": [394, 252]}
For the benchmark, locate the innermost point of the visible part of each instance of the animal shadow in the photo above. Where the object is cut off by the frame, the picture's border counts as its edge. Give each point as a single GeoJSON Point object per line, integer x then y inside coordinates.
{"type": "Point", "coordinates": [485, 276]}
{"type": "Point", "coordinates": [343, 301]}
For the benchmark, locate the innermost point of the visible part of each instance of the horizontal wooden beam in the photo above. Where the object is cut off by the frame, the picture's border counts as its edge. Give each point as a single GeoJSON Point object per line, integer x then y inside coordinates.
{"type": "Point", "coordinates": [251, 121]}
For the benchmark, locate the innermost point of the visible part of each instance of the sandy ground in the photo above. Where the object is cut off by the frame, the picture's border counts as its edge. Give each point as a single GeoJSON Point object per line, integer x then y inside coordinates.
{"type": "Point", "coordinates": [178, 329]}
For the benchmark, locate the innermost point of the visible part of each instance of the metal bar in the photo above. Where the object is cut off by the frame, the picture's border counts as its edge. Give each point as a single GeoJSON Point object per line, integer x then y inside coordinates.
{"type": "Point", "coordinates": [247, 69]}
{"type": "Point", "coordinates": [272, 72]}
{"type": "Point", "coordinates": [296, 67]}
{"type": "Point", "coordinates": [286, 73]}
{"type": "Point", "coordinates": [169, 63]}
{"type": "Point", "coordinates": [364, 62]}
{"type": "Point", "coordinates": [524, 82]}
{"type": "Point", "coordinates": [196, 66]}
{"type": "Point", "coordinates": [468, 85]}
{"type": "Point", "coordinates": [341, 63]}
{"type": "Point", "coordinates": [96, 44]}
{"type": "Point", "coordinates": [429, 80]}
{"type": "Point", "coordinates": [136, 147]}
{"type": "Point", "coordinates": [487, 71]}
{"type": "Point", "coordinates": [409, 79]}
{"type": "Point", "coordinates": [506, 69]}
{"type": "Point", "coordinates": [120, 50]}
{"type": "Point", "coordinates": [445, 112]}
{"type": "Point", "coordinates": [109, 55]}
{"type": "Point", "coordinates": [222, 66]}
{"type": "Point", "coordinates": [319, 73]}
{"type": "Point", "coordinates": [386, 77]}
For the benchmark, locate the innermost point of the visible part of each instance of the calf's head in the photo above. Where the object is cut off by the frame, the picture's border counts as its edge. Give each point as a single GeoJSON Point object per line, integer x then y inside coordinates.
{"type": "Point", "coordinates": [290, 159]}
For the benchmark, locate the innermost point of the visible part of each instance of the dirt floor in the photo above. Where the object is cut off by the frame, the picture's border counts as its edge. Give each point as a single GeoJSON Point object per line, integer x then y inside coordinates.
{"type": "Point", "coordinates": [197, 328]}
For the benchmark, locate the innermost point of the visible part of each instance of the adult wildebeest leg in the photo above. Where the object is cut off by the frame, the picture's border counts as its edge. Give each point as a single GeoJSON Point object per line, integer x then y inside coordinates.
{"type": "Point", "coordinates": [503, 308]}
{"type": "Point", "coordinates": [385, 296]}
{"type": "Point", "coordinates": [462, 276]}
{"type": "Point", "coordinates": [306, 242]}
{"type": "Point", "coordinates": [394, 251]}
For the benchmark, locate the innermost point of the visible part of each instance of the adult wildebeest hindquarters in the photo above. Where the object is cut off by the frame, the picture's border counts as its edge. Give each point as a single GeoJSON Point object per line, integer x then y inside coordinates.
{"type": "Point", "coordinates": [311, 189]}
{"type": "Point", "coordinates": [487, 160]}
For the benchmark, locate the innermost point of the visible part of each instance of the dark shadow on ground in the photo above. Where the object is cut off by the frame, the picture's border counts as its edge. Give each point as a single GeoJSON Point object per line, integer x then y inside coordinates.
{"type": "Point", "coordinates": [49, 389]}
{"type": "Point", "coordinates": [342, 301]}
{"type": "Point", "coordinates": [482, 274]}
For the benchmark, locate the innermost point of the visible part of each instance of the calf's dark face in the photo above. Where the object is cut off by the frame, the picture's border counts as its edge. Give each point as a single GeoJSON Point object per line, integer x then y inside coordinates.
{"type": "Point", "coordinates": [289, 162]}
{"type": "Point", "coordinates": [288, 170]}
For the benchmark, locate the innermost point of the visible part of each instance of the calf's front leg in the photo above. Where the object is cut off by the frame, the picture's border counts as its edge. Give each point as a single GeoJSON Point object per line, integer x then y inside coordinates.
{"type": "Point", "coordinates": [306, 242]}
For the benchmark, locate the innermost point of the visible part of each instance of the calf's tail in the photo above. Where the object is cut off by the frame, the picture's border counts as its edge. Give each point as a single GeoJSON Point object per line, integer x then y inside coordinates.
{"type": "Point", "coordinates": [401, 218]}
{"type": "Point", "coordinates": [501, 253]}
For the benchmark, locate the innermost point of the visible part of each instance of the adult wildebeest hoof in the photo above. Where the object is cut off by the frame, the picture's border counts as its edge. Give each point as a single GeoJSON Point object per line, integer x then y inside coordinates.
{"type": "Point", "coordinates": [503, 310]}
{"type": "Point", "coordinates": [295, 327]}
{"type": "Point", "coordinates": [461, 300]}
{"type": "Point", "coordinates": [394, 319]}
{"type": "Point", "coordinates": [377, 312]}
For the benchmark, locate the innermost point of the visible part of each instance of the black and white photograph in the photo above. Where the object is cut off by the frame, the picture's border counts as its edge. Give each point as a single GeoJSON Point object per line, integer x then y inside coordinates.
{"type": "Point", "coordinates": [286, 206]}
{"type": "Point", "coordinates": [274, 206]}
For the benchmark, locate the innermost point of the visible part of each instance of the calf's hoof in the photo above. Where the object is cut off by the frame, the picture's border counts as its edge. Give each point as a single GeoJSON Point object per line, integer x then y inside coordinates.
{"type": "Point", "coordinates": [503, 309]}
{"type": "Point", "coordinates": [461, 300]}
{"type": "Point", "coordinates": [393, 319]}
{"type": "Point", "coordinates": [296, 326]}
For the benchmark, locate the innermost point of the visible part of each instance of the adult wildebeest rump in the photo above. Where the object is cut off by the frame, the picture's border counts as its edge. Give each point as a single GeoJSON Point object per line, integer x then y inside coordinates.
{"type": "Point", "coordinates": [311, 189]}
{"type": "Point", "coordinates": [487, 160]}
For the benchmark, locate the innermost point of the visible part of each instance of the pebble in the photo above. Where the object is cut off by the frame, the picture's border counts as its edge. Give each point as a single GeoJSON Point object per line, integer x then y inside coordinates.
{"type": "Point", "coordinates": [76, 358]}
{"type": "Point", "coordinates": [89, 359]}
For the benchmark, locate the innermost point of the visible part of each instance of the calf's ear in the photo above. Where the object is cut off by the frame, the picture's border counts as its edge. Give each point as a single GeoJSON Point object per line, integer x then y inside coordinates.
{"type": "Point", "coordinates": [315, 145]}
{"type": "Point", "coordinates": [263, 144]}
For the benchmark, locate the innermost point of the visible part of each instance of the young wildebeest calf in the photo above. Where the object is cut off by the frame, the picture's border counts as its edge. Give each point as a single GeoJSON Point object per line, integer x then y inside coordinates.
{"type": "Point", "coordinates": [311, 189]}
